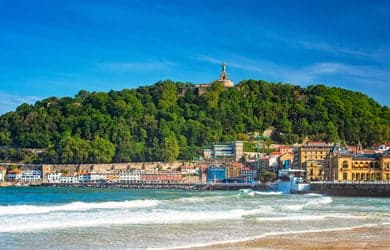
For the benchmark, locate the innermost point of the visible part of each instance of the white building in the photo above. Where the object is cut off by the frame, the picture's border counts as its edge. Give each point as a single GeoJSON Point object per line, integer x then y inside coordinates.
{"type": "Point", "coordinates": [13, 175]}
{"type": "Point", "coordinates": [130, 176]}
{"type": "Point", "coordinates": [53, 177]}
{"type": "Point", "coordinates": [96, 177]}
{"type": "Point", "coordinates": [69, 179]}
{"type": "Point", "coordinates": [31, 175]}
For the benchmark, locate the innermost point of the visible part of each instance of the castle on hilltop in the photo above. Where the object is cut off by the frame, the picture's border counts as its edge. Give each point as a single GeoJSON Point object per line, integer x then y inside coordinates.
{"type": "Point", "coordinates": [200, 89]}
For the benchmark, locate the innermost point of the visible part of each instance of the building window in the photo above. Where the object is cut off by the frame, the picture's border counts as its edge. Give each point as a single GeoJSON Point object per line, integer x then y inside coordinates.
{"type": "Point", "coordinates": [345, 164]}
{"type": "Point", "coordinates": [345, 176]}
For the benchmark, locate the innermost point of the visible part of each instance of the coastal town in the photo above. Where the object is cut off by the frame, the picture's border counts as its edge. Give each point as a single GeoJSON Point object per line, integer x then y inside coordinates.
{"type": "Point", "coordinates": [230, 165]}
{"type": "Point", "coordinates": [221, 163]}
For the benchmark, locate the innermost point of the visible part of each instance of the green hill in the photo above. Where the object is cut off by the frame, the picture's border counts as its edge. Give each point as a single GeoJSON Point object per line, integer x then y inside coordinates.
{"type": "Point", "coordinates": [155, 123]}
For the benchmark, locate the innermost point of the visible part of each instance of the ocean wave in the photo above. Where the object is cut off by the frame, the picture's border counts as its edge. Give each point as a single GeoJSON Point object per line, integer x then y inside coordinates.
{"type": "Point", "coordinates": [313, 194]}
{"type": "Point", "coordinates": [310, 203]}
{"type": "Point", "coordinates": [75, 206]}
{"type": "Point", "coordinates": [268, 193]}
{"type": "Point", "coordinates": [311, 217]}
{"type": "Point", "coordinates": [321, 201]}
{"type": "Point", "coordinates": [105, 218]}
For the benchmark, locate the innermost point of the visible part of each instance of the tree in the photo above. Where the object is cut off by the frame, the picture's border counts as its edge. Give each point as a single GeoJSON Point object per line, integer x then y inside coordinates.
{"type": "Point", "coordinates": [267, 176]}
{"type": "Point", "coordinates": [170, 148]}
{"type": "Point", "coordinates": [102, 150]}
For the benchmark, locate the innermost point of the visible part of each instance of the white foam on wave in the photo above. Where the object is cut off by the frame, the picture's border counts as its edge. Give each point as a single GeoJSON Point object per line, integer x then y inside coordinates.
{"type": "Point", "coordinates": [311, 203]}
{"type": "Point", "coordinates": [268, 193]}
{"type": "Point", "coordinates": [311, 217]}
{"type": "Point", "coordinates": [121, 217]}
{"type": "Point", "coordinates": [313, 194]}
{"type": "Point", "coordinates": [321, 201]}
{"type": "Point", "coordinates": [75, 206]}
{"type": "Point", "coordinates": [292, 218]}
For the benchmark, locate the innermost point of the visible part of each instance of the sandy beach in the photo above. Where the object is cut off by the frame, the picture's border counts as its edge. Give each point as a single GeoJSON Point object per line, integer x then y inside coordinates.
{"type": "Point", "coordinates": [375, 237]}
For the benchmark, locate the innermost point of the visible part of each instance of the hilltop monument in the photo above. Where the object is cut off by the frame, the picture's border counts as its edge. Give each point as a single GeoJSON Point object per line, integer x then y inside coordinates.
{"type": "Point", "coordinates": [223, 78]}
{"type": "Point", "coordinates": [200, 89]}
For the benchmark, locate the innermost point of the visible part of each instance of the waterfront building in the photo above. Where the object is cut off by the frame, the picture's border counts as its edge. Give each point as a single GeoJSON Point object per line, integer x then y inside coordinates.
{"type": "Point", "coordinates": [53, 177]}
{"type": "Point", "coordinates": [164, 176]}
{"type": "Point", "coordinates": [359, 167]}
{"type": "Point", "coordinates": [31, 175]}
{"type": "Point", "coordinates": [98, 177]}
{"type": "Point", "coordinates": [311, 159]}
{"type": "Point", "coordinates": [233, 169]}
{"type": "Point", "coordinates": [65, 178]}
{"type": "Point", "coordinates": [216, 174]}
{"type": "Point", "coordinates": [84, 177]}
{"type": "Point", "coordinates": [249, 174]}
{"type": "Point", "coordinates": [13, 174]}
{"type": "Point", "coordinates": [130, 176]}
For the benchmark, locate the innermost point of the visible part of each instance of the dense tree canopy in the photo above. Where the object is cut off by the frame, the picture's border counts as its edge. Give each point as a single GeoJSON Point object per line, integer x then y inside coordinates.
{"type": "Point", "coordinates": [155, 123]}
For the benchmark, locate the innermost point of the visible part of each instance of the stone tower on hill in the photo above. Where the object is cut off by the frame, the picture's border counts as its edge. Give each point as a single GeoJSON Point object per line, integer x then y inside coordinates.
{"type": "Point", "coordinates": [223, 78]}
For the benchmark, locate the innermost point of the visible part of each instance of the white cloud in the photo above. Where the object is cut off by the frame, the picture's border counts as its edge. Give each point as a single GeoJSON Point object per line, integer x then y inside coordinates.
{"type": "Point", "coordinates": [9, 102]}
{"type": "Point", "coordinates": [379, 54]}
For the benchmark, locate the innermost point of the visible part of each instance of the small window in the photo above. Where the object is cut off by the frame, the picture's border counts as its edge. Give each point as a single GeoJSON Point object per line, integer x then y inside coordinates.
{"type": "Point", "coordinates": [345, 176]}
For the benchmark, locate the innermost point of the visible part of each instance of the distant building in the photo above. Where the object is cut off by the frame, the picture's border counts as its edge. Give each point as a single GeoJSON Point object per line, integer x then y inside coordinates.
{"type": "Point", "coordinates": [359, 167]}
{"type": "Point", "coordinates": [130, 176]}
{"type": "Point", "coordinates": [233, 150]}
{"type": "Point", "coordinates": [53, 177]}
{"type": "Point", "coordinates": [311, 159]}
{"type": "Point", "coordinates": [164, 176]}
{"type": "Point", "coordinates": [249, 174]}
{"type": "Point", "coordinates": [216, 174]}
{"type": "Point", "coordinates": [31, 175]}
{"type": "Point", "coordinates": [65, 178]}
{"type": "Point", "coordinates": [13, 175]}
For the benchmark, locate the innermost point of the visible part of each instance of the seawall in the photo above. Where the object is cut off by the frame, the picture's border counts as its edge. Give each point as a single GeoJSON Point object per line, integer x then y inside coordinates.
{"type": "Point", "coordinates": [370, 189]}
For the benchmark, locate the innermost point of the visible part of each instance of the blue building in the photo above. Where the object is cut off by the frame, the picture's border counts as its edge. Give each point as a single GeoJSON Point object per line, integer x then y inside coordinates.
{"type": "Point", "coordinates": [216, 174]}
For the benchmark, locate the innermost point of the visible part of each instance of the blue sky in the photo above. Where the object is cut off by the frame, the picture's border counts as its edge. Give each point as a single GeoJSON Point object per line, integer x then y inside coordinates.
{"type": "Point", "coordinates": [56, 48]}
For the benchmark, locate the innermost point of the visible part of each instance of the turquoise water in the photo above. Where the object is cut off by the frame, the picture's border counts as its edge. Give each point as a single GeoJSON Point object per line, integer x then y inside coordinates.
{"type": "Point", "coordinates": [69, 218]}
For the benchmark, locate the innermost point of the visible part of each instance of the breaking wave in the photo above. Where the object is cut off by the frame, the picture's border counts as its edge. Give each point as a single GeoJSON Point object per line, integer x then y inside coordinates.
{"type": "Point", "coordinates": [76, 206]}
{"type": "Point", "coordinates": [107, 217]}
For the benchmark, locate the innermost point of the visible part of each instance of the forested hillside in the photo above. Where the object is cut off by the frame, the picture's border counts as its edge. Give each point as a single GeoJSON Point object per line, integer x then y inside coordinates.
{"type": "Point", "coordinates": [154, 123]}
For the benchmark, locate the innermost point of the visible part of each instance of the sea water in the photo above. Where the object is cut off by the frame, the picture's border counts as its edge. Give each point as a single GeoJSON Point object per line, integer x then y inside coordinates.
{"type": "Point", "coordinates": [74, 218]}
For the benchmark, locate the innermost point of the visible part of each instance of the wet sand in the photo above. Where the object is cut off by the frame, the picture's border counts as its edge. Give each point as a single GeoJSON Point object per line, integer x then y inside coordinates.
{"type": "Point", "coordinates": [376, 237]}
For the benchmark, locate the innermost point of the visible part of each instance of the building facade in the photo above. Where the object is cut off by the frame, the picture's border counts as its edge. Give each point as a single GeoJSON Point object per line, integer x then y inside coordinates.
{"type": "Point", "coordinates": [233, 151]}
{"type": "Point", "coordinates": [216, 174]}
{"type": "Point", "coordinates": [312, 159]}
{"type": "Point", "coordinates": [359, 167]}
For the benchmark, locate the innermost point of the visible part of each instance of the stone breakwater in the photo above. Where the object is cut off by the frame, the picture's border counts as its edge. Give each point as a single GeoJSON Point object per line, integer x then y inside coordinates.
{"type": "Point", "coordinates": [369, 189]}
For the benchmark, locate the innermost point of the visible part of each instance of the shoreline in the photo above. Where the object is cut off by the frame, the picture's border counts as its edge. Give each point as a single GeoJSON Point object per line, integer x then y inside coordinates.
{"type": "Point", "coordinates": [358, 237]}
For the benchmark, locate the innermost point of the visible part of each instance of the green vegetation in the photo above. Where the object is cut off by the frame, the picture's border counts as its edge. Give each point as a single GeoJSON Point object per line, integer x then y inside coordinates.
{"type": "Point", "coordinates": [267, 177]}
{"type": "Point", "coordinates": [154, 123]}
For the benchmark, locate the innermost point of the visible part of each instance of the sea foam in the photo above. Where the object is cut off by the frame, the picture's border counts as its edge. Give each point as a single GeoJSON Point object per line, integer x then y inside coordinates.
{"type": "Point", "coordinates": [75, 206]}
